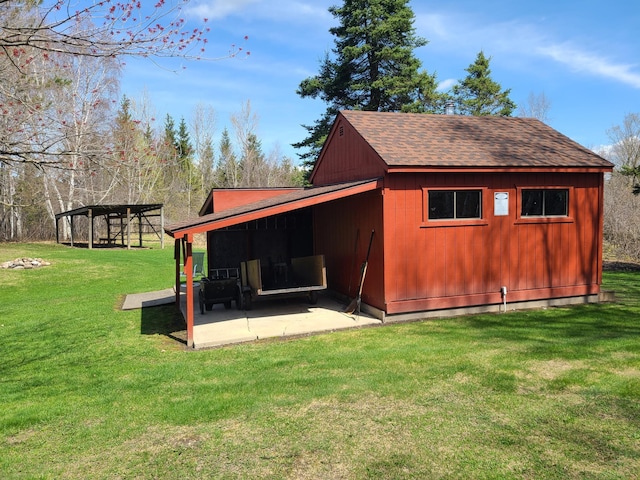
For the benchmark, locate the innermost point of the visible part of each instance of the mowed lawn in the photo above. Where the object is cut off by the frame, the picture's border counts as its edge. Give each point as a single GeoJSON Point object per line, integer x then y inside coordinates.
{"type": "Point", "coordinates": [90, 391]}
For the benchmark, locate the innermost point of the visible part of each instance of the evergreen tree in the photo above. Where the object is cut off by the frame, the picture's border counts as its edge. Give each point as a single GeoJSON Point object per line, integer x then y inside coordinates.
{"type": "Point", "coordinates": [228, 173]}
{"type": "Point", "coordinates": [183, 145]}
{"type": "Point", "coordinates": [206, 162]}
{"type": "Point", "coordinates": [170, 129]}
{"type": "Point", "coordinates": [170, 141]}
{"type": "Point", "coordinates": [132, 176]}
{"type": "Point", "coordinates": [373, 68]}
{"type": "Point", "coordinates": [479, 95]}
{"type": "Point", "coordinates": [252, 162]}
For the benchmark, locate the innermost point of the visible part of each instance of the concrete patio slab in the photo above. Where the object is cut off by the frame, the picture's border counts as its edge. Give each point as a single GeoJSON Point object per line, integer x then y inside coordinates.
{"type": "Point", "coordinates": [271, 318]}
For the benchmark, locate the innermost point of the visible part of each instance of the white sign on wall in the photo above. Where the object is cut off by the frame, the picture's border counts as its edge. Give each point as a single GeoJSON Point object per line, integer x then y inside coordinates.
{"type": "Point", "coordinates": [500, 204]}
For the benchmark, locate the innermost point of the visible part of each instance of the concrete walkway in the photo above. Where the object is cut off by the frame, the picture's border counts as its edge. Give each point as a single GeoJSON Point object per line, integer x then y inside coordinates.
{"type": "Point", "coordinates": [149, 299]}
{"type": "Point", "coordinates": [270, 317]}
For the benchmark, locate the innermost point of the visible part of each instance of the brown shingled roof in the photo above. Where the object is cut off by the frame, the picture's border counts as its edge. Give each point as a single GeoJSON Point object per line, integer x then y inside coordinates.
{"type": "Point", "coordinates": [422, 140]}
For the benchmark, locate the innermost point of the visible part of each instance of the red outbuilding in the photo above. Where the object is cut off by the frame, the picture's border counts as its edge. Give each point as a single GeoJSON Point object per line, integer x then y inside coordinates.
{"type": "Point", "coordinates": [468, 214]}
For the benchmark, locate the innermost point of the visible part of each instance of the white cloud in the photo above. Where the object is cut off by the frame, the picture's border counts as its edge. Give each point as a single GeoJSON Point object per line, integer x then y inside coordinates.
{"type": "Point", "coordinates": [445, 85]}
{"type": "Point", "coordinates": [281, 11]}
{"type": "Point", "coordinates": [217, 9]}
{"type": "Point", "coordinates": [581, 61]}
{"type": "Point", "coordinates": [514, 40]}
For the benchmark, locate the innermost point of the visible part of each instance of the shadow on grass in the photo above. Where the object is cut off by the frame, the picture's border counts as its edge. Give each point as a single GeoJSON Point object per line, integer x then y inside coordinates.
{"type": "Point", "coordinates": [570, 331]}
{"type": "Point", "coordinates": [163, 320]}
{"type": "Point", "coordinates": [577, 326]}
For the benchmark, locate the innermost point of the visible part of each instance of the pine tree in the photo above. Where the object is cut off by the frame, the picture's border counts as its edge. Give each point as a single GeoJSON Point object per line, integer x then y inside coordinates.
{"type": "Point", "coordinates": [169, 139]}
{"type": "Point", "coordinates": [183, 146]}
{"type": "Point", "coordinates": [252, 163]}
{"type": "Point", "coordinates": [228, 173]}
{"type": "Point", "coordinates": [373, 68]}
{"type": "Point", "coordinates": [478, 94]}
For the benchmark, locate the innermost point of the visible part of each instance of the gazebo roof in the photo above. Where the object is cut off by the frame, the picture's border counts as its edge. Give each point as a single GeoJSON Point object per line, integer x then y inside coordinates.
{"type": "Point", "coordinates": [99, 210]}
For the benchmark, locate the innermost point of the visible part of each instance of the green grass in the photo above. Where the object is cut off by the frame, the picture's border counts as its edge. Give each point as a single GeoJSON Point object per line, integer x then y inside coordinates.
{"type": "Point", "coordinates": [90, 391]}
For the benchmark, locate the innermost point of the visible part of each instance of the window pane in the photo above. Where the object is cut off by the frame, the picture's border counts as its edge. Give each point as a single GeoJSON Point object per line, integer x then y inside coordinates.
{"type": "Point", "coordinates": [531, 203]}
{"type": "Point", "coordinates": [440, 204]}
{"type": "Point", "coordinates": [555, 202]}
{"type": "Point", "coordinates": [468, 204]}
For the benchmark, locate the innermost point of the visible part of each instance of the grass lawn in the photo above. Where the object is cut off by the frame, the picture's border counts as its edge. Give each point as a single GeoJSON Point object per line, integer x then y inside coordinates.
{"type": "Point", "coordinates": [90, 391]}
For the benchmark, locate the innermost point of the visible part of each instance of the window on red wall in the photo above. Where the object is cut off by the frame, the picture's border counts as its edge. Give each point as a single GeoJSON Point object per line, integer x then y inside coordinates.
{"type": "Point", "coordinates": [545, 202]}
{"type": "Point", "coordinates": [454, 204]}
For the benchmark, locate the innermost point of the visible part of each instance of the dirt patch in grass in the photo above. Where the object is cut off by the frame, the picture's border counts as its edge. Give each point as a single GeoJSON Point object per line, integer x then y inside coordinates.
{"type": "Point", "coordinates": [552, 369]}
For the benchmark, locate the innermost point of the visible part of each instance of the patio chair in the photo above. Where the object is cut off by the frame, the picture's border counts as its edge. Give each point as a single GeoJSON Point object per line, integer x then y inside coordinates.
{"type": "Point", "coordinates": [198, 265]}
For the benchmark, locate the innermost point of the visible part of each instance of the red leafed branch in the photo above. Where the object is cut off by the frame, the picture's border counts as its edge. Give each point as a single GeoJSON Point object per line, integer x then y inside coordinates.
{"type": "Point", "coordinates": [109, 28]}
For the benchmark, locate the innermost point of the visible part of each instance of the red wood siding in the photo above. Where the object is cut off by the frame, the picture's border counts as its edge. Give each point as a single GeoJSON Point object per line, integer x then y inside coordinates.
{"type": "Point", "coordinates": [337, 224]}
{"type": "Point", "coordinates": [346, 157]}
{"type": "Point", "coordinates": [452, 266]}
{"type": "Point", "coordinates": [231, 198]}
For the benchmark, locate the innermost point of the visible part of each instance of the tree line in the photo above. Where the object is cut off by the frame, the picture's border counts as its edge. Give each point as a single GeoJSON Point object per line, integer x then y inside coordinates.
{"type": "Point", "coordinates": [68, 139]}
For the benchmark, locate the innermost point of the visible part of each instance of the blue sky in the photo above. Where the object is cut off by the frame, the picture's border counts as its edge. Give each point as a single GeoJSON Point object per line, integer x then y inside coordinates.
{"type": "Point", "coordinates": [583, 55]}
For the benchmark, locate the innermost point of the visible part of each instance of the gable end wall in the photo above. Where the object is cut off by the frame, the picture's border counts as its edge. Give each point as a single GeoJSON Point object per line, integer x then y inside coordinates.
{"type": "Point", "coordinates": [346, 157]}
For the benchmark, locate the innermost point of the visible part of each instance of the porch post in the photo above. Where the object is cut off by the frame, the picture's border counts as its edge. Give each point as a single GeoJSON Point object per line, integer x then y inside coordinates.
{"type": "Point", "coordinates": [162, 227]}
{"type": "Point", "coordinates": [188, 270]}
{"type": "Point", "coordinates": [176, 256]}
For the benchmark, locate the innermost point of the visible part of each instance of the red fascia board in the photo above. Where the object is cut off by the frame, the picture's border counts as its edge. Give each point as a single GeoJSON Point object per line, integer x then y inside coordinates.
{"type": "Point", "coordinates": [209, 225]}
{"type": "Point", "coordinates": [449, 169]}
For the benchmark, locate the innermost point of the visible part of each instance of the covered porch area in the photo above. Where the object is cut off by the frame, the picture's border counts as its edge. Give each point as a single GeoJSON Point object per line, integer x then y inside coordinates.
{"type": "Point", "coordinates": [284, 203]}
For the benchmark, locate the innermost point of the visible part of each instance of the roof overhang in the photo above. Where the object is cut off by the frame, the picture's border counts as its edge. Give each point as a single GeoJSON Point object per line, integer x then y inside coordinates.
{"type": "Point", "coordinates": [284, 203]}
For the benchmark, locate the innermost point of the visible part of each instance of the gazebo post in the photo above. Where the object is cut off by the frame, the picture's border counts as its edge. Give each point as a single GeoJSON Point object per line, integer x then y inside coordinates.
{"type": "Point", "coordinates": [90, 215]}
{"type": "Point", "coordinates": [128, 228]}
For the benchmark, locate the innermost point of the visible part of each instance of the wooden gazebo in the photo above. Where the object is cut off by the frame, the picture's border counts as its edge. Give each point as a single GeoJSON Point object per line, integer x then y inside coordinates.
{"type": "Point", "coordinates": [121, 222]}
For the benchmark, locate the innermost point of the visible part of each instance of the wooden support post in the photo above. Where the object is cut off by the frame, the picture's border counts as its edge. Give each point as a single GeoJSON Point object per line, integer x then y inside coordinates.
{"type": "Point", "coordinates": [188, 270]}
{"type": "Point", "coordinates": [140, 230]}
{"type": "Point", "coordinates": [162, 227]}
{"type": "Point", "coordinates": [128, 228]}
{"type": "Point", "coordinates": [90, 241]}
{"type": "Point", "coordinates": [176, 256]}
{"type": "Point", "coordinates": [71, 229]}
